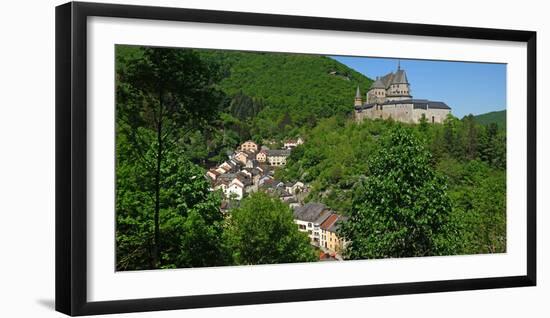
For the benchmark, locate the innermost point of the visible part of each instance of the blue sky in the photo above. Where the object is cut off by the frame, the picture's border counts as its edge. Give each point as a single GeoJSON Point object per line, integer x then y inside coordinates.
{"type": "Point", "coordinates": [466, 87]}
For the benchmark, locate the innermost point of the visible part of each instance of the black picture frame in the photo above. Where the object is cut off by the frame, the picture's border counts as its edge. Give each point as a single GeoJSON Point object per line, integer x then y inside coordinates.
{"type": "Point", "coordinates": [71, 157]}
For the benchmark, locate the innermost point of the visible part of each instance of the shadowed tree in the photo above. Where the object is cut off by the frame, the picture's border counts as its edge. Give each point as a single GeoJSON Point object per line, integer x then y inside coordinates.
{"type": "Point", "coordinates": [162, 95]}
{"type": "Point", "coordinates": [262, 231]}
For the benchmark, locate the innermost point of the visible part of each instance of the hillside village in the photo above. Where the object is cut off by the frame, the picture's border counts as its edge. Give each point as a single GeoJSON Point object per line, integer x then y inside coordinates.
{"type": "Point", "coordinates": [251, 168]}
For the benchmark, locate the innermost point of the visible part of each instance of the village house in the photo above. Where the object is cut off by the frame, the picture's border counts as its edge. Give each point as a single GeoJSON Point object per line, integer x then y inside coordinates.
{"type": "Point", "coordinates": [321, 225]}
{"type": "Point", "coordinates": [286, 197]}
{"type": "Point", "coordinates": [256, 174]}
{"type": "Point", "coordinates": [293, 203]}
{"type": "Point", "coordinates": [251, 163]}
{"type": "Point", "coordinates": [250, 146]}
{"type": "Point", "coordinates": [329, 233]}
{"type": "Point", "coordinates": [277, 157]}
{"type": "Point", "coordinates": [293, 143]}
{"type": "Point", "coordinates": [295, 187]}
{"type": "Point", "coordinates": [263, 179]}
{"type": "Point", "coordinates": [235, 190]}
{"type": "Point", "coordinates": [232, 185]}
{"type": "Point", "coordinates": [241, 157]}
{"type": "Point", "coordinates": [262, 156]}
{"type": "Point", "coordinates": [213, 174]}
{"type": "Point", "coordinates": [309, 218]}
{"type": "Point", "coordinates": [230, 166]}
{"type": "Point", "coordinates": [247, 172]}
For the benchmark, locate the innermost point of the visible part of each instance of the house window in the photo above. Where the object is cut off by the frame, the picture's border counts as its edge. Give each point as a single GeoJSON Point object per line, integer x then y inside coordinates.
{"type": "Point", "coordinates": [309, 225]}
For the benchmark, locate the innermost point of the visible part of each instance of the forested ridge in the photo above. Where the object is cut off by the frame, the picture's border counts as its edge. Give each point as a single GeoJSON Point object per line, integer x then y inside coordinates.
{"type": "Point", "coordinates": [497, 117]}
{"type": "Point", "coordinates": [178, 112]}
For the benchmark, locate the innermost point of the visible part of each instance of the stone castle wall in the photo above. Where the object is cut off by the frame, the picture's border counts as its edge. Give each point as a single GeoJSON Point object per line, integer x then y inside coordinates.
{"type": "Point", "coordinates": [432, 115]}
{"type": "Point", "coordinates": [403, 113]}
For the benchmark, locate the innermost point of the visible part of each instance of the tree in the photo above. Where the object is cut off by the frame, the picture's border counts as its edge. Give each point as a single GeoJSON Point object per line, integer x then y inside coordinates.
{"type": "Point", "coordinates": [493, 146]}
{"type": "Point", "coordinates": [470, 137]}
{"type": "Point", "coordinates": [401, 208]}
{"type": "Point", "coordinates": [190, 220]}
{"type": "Point", "coordinates": [478, 193]}
{"type": "Point", "coordinates": [451, 128]}
{"type": "Point", "coordinates": [262, 231]}
{"type": "Point", "coordinates": [162, 94]}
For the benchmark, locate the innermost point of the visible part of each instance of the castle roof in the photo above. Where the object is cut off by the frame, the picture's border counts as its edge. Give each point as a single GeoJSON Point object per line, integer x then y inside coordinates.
{"type": "Point", "coordinates": [378, 84]}
{"type": "Point", "coordinates": [400, 77]}
{"type": "Point", "coordinates": [417, 104]}
{"type": "Point", "coordinates": [358, 93]}
{"type": "Point", "coordinates": [387, 79]}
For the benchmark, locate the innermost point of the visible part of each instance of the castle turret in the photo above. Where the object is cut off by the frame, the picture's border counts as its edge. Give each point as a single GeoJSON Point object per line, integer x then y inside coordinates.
{"type": "Point", "coordinates": [377, 91]}
{"type": "Point", "coordinates": [399, 86]}
{"type": "Point", "coordinates": [358, 98]}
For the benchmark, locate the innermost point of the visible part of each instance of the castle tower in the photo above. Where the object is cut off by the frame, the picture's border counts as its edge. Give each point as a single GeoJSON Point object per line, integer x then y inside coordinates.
{"type": "Point", "coordinates": [358, 99]}
{"type": "Point", "coordinates": [377, 92]}
{"type": "Point", "coordinates": [399, 88]}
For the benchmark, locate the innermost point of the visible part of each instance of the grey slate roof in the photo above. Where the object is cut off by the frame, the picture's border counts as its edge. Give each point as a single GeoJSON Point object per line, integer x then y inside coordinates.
{"type": "Point", "coordinates": [378, 84]}
{"type": "Point", "coordinates": [425, 104]}
{"type": "Point", "coordinates": [386, 80]}
{"type": "Point", "coordinates": [227, 177]}
{"type": "Point", "coordinates": [417, 104]}
{"type": "Point", "coordinates": [400, 77]}
{"type": "Point", "coordinates": [358, 93]}
{"type": "Point", "coordinates": [278, 152]}
{"type": "Point", "coordinates": [312, 212]}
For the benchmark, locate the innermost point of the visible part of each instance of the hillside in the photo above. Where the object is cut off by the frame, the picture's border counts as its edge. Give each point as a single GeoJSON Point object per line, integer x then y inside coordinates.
{"type": "Point", "coordinates": [306, 87]}
{"type": "Point", "coordinates": [498, 117]}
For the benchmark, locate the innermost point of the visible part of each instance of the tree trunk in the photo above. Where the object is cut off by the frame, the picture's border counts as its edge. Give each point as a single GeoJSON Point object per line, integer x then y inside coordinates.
{"type": "Point", "coordinates": [156, 248]}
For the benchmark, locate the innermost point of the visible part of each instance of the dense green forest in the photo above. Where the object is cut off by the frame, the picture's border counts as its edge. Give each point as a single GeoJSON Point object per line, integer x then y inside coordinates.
{"type": "Point", "coordinates": [296, 89]}
{"type": "Point", "coordinates": [267, 96]}
{"type": "Point", "coordinates": [498, 117]}
{"type": "Point", "coordinates": [432, 189]}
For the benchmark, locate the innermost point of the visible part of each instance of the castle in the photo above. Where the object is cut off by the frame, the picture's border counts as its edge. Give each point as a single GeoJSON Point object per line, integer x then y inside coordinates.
{"type": "Point", "coordinates": [390, 97]}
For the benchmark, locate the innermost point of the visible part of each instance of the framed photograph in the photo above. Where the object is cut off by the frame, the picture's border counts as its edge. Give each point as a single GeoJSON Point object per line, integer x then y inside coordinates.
{"type": "Point", "coordinates": [209, 158]}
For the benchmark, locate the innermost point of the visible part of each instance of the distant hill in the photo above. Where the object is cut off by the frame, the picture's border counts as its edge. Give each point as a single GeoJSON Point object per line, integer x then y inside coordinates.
{"type": "Point", "coordinates": [277, 94]}
{"type": "Point", "coordinates": [306, 87]}
{"type": "Point", "coordinates": [498, 117]}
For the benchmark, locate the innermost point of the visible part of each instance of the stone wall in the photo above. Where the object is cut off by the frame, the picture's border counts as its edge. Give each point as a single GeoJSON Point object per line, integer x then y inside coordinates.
{"type": "Point", "coordinates": [403, 113]}
{"type": "Point", "coordinates": [432, 115]}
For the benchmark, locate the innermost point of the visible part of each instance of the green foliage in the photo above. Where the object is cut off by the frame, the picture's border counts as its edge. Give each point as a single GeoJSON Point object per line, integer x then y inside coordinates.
{"type": "Point", "coordinates": [262, 231]}
{"type": "Point", "coordinates": [498, 118]}
{"type": "Point", "coordinates": [401, 208]}
{"type": "Point", "coordinates": [190, 220]}
{"type": "Point", "coordinates": [478, 193]}
{"type": "Point", "coordinates": [332, 159]}
{"type": "Point", "coordinates": [336, 156]}
{"type": "Point", "coordinates": [296, 90]}
{"type": "Point", "coordinates": [162, 96]}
